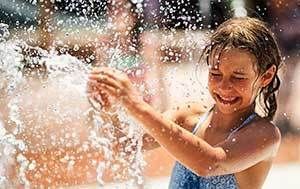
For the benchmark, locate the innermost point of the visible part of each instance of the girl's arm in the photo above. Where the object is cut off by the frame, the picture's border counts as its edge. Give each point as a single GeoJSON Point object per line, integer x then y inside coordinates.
{"type": "Point", "coordinates": [176, 114]}
{"type": "Point", "coordinates": [182, 115]}
{"type": "Point", "coordinates": [251, 144]}
{"type": "Point", "coordinates": [247, 147]}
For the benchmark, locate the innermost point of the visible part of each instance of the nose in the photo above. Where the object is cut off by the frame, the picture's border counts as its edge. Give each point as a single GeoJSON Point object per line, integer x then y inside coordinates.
{"type": "Point", "coordinates": [225, 85]}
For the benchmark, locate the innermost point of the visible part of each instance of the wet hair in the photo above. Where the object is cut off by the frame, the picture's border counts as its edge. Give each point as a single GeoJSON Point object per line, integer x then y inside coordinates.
{"type": "Point", "coordinates": [252, 35]}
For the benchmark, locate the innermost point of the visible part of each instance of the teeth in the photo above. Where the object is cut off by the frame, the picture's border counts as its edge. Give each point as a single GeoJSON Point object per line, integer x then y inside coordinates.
{"type": "Point", "coordinates": [227, 99]}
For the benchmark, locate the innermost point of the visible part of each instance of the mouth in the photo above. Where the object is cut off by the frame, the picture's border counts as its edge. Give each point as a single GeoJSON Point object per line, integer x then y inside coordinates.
{"type": "Point", "coordinates": [227, 100]}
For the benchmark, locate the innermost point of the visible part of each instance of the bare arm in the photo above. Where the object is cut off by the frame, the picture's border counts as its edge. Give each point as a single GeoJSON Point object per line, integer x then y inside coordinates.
{"type": "Point", "coordinates": [249, 146]}
{"type": "Point", "coordinates": [182, 115]}
{"type": "Point", "coordinates": [178, 114]}
{"type": "Point", "coordinates": [255, 142]}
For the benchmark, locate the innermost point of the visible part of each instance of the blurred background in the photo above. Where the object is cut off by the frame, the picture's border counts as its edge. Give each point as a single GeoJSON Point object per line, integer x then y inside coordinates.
{"type": "Point", "coordinates": [160, 41]}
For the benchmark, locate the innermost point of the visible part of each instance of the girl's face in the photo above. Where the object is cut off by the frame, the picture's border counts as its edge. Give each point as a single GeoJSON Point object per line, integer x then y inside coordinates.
{"type": "Point", "coordinates": [233, 80]}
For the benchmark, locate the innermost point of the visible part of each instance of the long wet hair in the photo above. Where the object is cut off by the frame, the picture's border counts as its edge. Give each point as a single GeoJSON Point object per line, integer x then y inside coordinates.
{"type": "Point", "coordinates": [252, 35]}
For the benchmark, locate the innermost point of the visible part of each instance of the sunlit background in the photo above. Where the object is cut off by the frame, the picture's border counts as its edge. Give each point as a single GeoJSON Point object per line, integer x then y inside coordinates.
{"type": "Point", "coordinates": [159, 41]}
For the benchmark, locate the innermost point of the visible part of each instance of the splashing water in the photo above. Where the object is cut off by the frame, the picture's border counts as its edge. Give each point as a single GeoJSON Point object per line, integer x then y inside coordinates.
{"type": "Point", "coordinates": [43, 97]}
{"type": "Point", "coordinates": [48, 125]}
{"type": "Point", "coordinates": [4, 33]}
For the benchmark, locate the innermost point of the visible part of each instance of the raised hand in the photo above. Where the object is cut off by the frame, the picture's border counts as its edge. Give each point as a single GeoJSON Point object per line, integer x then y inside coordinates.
{"type": "Point", "coordinates": [105, 83]}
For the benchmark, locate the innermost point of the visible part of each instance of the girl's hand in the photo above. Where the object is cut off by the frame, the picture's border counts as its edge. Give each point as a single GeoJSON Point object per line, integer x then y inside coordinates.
{"type": "Point", "coordinates": [104, 82]}
{"type": "Point", "coordinates": [98, 98]}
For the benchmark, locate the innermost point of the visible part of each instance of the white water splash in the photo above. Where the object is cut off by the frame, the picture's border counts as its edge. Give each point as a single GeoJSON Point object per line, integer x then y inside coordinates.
{"type": "Point", "coordinates": [21, 62]}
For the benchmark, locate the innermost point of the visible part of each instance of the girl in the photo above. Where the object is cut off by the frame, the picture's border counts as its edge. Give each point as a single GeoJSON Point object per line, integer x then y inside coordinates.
{"type": "Point", "coordinates": [230, 146]}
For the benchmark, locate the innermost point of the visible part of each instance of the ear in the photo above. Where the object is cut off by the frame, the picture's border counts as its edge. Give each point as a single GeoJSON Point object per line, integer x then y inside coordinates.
{"type": "Point", "coordinates": [268, 76]}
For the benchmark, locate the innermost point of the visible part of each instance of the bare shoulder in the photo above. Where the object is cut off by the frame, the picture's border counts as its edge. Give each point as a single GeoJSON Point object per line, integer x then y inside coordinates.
{"type": "Point", "coordinates": [258, 141]}
{"type": "Point", "coordinates": [265, 131]}
{"type": "Point", "coordinates": [267, 128]}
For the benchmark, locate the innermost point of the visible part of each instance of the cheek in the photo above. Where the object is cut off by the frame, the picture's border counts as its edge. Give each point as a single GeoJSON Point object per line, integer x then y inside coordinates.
{"type": "Point", "coordinates": [212, 85]}
{"type": "Point", "coordinates": [213, 81]}
{"type": "Point", "coordinates": [243, 88]}
{"type": "Point", "coordinates": [247, 90]}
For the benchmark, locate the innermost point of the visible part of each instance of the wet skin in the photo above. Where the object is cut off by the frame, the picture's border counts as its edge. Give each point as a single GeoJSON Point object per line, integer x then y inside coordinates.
{"type": "Point", "coordinates": [247, 153]}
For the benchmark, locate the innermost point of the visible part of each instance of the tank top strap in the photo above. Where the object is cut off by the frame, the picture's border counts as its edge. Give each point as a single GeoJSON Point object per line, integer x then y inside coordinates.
{"type": "Point", "coordinates": [202, 118]}
{"type": "Point", "coordinates": [245, 122]}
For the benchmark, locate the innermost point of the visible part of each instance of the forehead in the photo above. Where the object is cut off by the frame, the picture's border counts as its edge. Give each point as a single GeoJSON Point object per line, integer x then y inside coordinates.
{"type": "Point", "coordinates": [233, 59]}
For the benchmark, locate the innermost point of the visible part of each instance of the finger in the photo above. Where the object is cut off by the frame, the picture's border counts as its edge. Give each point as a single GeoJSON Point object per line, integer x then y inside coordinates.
{"type": "Point", "coordinates": [92, 86]}
{"type": "Point", "coordinates": [100, 88]}
{"type": "Point", "coordinates": [103, 90]}
{"type": "Point", "coordinates": [95, 101]}
{"type": "Point", "coordinates": [109, 90]}
{"type": "Point", "coordinates": [103, 79]}
{"type": "Point", "coordinates": [95, 88]}
{"type": "Point", "coordinates": [113, 73]}
{"type": "Point", "coordinates": [99, 101]}
{"type": "Point", "coordinates": [105, 100]}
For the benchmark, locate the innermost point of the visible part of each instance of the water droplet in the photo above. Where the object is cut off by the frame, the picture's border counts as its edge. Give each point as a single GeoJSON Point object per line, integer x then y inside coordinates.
{"type": "Point", "coordinates": [4, 33]}
{"type": "Point", "coordinates": [32, 165]}
{"type": "Point", "coordinates": [76, 47]}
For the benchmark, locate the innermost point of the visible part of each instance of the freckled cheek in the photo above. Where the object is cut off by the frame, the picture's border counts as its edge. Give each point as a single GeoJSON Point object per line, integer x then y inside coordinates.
{"type": "Point", "coordinates": [242, 88]}
{"type": "Point", "coordinates": [245, 91]}
{"type": "Point", "coordinates": [213, 81]}
{"type": "Point", "coordinates": [212, 85]}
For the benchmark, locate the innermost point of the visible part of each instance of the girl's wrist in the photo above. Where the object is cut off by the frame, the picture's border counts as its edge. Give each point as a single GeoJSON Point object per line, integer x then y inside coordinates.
{"type": "Point", "coordinates": [134, 103]}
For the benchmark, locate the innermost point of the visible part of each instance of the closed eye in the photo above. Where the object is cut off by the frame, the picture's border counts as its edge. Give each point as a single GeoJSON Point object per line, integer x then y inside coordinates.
{"type": "Point", "coordinates": [239, 78]}
{"type": "Point", "coordinates": [214, 74]}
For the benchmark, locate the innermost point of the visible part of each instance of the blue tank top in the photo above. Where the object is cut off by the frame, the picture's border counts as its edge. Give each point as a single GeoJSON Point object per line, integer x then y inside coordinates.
{"type": "Point", "coordinates": [183, 178]}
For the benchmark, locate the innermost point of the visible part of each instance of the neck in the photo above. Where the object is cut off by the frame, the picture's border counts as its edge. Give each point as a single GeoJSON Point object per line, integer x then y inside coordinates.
{"type": "Point", "coordinates": [228, 122]}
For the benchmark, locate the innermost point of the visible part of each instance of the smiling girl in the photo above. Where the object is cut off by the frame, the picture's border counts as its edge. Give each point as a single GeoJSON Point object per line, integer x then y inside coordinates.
{"type": "Point", "coordinates": [229, 146]}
